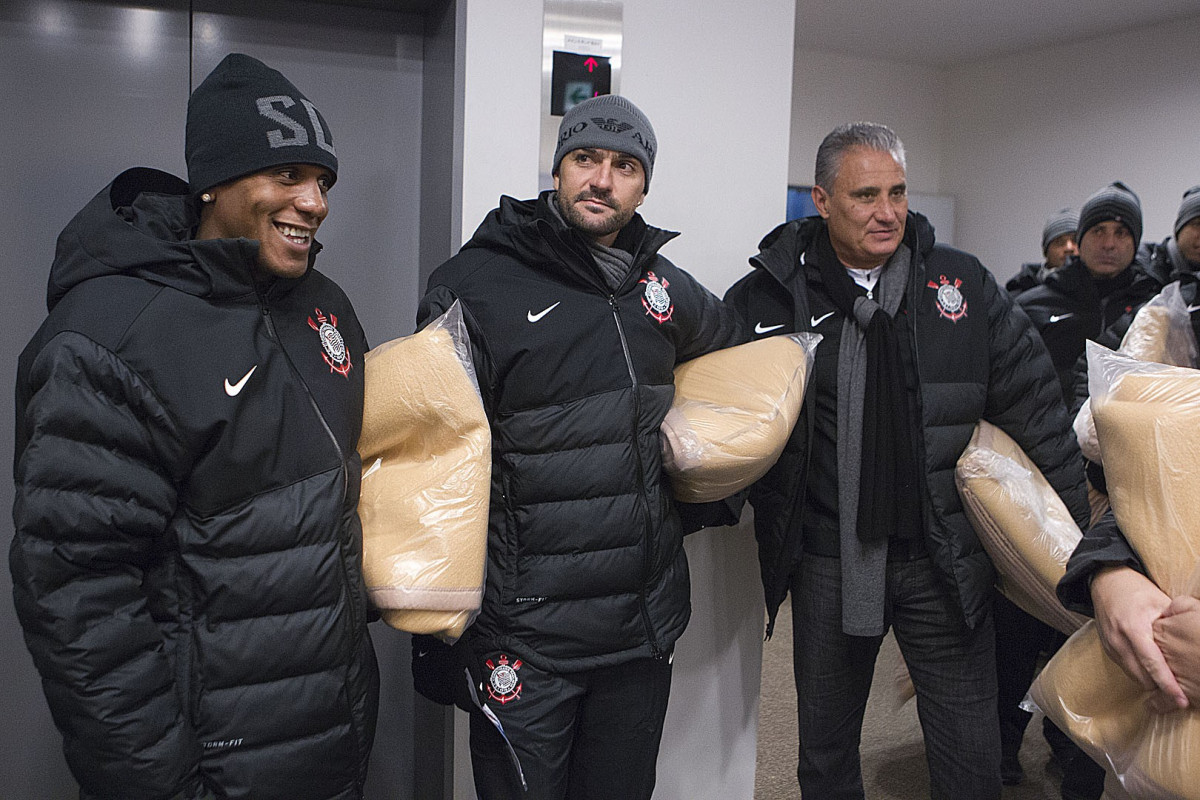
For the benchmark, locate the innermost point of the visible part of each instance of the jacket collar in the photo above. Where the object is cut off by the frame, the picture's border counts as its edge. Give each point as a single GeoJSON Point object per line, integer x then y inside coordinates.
{"type": "Point", "coordinates": [529, 231]}
{"type": "Point", "coordinates": [780, 250]}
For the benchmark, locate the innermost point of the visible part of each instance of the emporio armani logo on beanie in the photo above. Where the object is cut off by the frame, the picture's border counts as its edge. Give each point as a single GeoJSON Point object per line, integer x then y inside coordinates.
{"type": "Point", "coordinates": [245, 117]}
{"type": "Point", "coordinates": [608, 122]}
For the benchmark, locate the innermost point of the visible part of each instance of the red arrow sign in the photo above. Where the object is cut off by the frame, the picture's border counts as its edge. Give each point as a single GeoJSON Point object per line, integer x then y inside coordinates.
{"type": "Point", "coordinates": [591, 64]}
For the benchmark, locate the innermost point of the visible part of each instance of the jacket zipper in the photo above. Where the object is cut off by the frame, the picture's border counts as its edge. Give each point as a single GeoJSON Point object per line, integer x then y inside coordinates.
{"type": "Point", "coordinates": [647, 564]}
{"type": "Point", "coordinates": [341, 454]}
{"type": "Point", "coordinates": [347, 583]}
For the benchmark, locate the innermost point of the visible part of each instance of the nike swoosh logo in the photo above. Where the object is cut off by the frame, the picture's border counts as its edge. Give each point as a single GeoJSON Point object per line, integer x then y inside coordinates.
{"type": "Point", "coordinates": [815, 321]}
{"type": "Point", "coordinates": [234, 389]}
{"type": "Point", "coordinates": [1190, 309]}
{"type": "Point", "coordinates": [532, 317]}
{"type": "Point", "coordinates": [1060, 317]}
{"type": "Point", "coordinates": [760, 328]}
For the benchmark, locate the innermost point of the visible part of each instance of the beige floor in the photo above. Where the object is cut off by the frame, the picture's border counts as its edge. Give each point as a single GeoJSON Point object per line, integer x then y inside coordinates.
{"type": "Point", "coordinates": [892, 753]}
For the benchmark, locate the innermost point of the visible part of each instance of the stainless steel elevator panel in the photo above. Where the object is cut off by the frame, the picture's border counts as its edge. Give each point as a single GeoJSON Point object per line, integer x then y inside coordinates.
{"type": "Point", "coordinates": [581, 48]}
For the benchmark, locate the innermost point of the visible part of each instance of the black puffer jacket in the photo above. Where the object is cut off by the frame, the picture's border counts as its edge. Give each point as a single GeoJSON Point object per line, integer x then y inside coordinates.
{"type": "Point", "coordinates": [186, 563]}
{"type": "Point", "coordinates": [980, 360]}
{"type": "Point", "coordinates": [1070, 307]}
{"type": "Point", "coordinates": [585, 554]}
{"type": "Point", "coordinates": [1031, 274]}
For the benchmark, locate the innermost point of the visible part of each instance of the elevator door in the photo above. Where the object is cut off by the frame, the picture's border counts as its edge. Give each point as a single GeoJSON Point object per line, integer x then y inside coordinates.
{"type": "Point", "coordinates": [91, 88]}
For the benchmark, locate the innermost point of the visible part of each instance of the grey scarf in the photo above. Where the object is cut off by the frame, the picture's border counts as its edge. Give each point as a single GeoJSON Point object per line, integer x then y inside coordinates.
{"type": "Point", "coordinates": [614, 264]}
{"type": "Point", "coordinates": [863, 562]}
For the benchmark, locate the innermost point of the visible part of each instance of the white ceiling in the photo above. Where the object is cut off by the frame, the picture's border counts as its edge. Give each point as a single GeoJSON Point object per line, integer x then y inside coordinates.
{"type": "Point", "coordinates": [947, 32]}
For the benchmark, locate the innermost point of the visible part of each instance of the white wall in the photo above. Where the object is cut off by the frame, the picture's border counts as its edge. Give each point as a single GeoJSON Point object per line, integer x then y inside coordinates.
{"type": "Point", "coordinates": [1015, 138]}
{"type": "Point", "coordinates": [831, 89]}
{"type": "Point", "coordinates": [502, 86]}
{"type": "Point", "coordinates": [1035, 132]}
{"type": "Point", "coordinates": [720, 177]}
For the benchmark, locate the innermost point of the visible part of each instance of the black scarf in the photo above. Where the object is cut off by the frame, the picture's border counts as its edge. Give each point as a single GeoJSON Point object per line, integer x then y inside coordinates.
{"type": "Point", "coordinates": [887, 498]}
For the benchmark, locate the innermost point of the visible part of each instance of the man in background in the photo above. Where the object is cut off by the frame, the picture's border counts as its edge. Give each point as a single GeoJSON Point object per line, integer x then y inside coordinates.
{"type": "Point", "coordinates": [1058, 242]}
{"type": "Point", "coordinates": [1095, 288]}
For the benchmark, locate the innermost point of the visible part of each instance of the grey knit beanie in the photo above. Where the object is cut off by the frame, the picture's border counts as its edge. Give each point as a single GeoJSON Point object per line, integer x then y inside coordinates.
{"type": "Point", "coordinates": [609, 122]}
{"type": "Point", "coordinates": [246, 117]}
{"type": "Point", "coordinates": [1114, 202]}
{"type": "Point", "coordinates": [1189, 208]}
{"type": "Point", "coordinates": [1060, 222]}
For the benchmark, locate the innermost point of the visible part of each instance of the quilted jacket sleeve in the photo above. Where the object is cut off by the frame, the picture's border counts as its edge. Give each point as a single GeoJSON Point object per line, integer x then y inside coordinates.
{"type": "Point", "coordinates": [717, 324]}
{"type": "Point", "coordinates": [1024, 399]}
{"type": "Point", "coordinates": [1103, 545]}
{"type": "Point", "coordinates": [94, 493]}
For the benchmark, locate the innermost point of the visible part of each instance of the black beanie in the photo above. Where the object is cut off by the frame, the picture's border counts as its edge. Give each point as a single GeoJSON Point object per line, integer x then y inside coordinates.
{"type": "Point", "coordinates": [609, 122]}
{"type": "Point", "coordinates": [1114, 202]}
{"type": "Point", "coordinates": [1057, 224]}
{"type": "Point", "coordinates": [1189, 208]}
{"type": "Point", "coordinates": [246, 117]}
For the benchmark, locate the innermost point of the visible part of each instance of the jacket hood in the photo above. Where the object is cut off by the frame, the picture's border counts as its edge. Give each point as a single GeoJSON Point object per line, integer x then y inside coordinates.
{"type": "Point", "coordinates": [530, 232]}
{"type": "Point", "coordinates": [142, 225]}
{"type": "Point", "coordinates": [780, 249]}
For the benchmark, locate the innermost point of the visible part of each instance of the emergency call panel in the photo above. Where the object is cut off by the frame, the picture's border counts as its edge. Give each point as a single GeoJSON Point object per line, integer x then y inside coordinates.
{"type": "Point", "coordinates": [575, 77]}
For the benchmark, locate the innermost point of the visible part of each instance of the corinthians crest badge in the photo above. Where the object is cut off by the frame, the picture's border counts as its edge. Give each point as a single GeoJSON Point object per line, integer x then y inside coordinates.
{"type": "Point", "coordinates": [503, 685]}
{"type": "Point", "coordinates": [336, 355]}
{"type": "Point", "coordinates": [655, 299]}
{"type": "Point", "coordinates": [950, 302]}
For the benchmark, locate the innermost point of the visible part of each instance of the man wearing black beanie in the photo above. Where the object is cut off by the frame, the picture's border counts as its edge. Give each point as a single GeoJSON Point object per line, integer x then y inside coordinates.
{"type": "Point", "coordinates": [186, 564]}
{"type": "Point", "coordinates": [1095, 288]}
{"type": "Point", "coordinates": [1104, 283]}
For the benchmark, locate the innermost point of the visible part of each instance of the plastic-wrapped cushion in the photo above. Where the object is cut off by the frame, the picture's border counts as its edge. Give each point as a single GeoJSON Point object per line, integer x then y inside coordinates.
{"type": "Point", "coordinates": [1021, 522]}
{"type": "Point", "coordinates": [426, 454]}
{"type": "Point", "coordinates": [733, 411]}
{"type": "Point", "coordinates": [1148, 421]}
{"type": "Point", "coordinates": [1160, 332]}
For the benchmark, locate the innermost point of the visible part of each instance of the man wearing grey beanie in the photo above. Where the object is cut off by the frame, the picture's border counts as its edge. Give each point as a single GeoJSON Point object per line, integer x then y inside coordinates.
{"type": "Point", "coordinates": [187, 557]}
{"type": "Point", "coordinates": [1058, 242]}
{"type": "Point", "coordinates": [576, 322]}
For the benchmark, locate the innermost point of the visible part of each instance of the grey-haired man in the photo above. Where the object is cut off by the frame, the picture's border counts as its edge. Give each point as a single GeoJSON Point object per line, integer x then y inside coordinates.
{"type": "Point", "coordinates": [860, 519]}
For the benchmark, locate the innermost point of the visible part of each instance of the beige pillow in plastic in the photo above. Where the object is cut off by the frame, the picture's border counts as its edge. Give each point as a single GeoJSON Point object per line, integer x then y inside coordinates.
{"type": "Point", "coordinates": [426, 454]}
{"type": "Point", "coordinates": [1160, 332]}
{"type": "Point", "coordinates": [1021, 522]}
{"type": "Point", "coordinates": [734, 410]}
{"type": "Point", "coordinates": [1148, 423]}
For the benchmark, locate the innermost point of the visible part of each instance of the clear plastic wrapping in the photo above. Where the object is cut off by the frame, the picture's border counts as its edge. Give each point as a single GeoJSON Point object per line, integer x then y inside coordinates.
{"type": "Point", "coordinates": [1160, 332]}
{"type": "Point", "coordinates": [1021, 522]}
{"type": "Point", "coordinates": [426, 455]}
{"type": "Point", "coordinates": [734, 410]}
{"type": "Point", "coordinates": [1148, 424]}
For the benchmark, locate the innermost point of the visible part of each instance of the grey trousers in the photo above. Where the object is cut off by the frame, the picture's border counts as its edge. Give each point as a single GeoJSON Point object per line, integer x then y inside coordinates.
{"type": "Point", "coordinates": [953, 669]}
